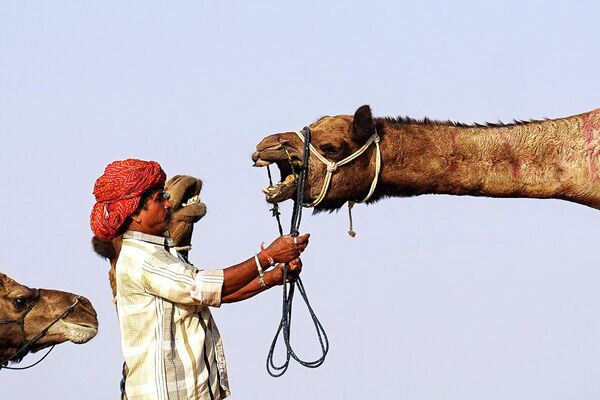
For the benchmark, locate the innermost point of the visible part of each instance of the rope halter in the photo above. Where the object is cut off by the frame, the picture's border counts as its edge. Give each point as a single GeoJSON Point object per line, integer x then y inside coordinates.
{"type": "Point", "coordinates": [333, 166]}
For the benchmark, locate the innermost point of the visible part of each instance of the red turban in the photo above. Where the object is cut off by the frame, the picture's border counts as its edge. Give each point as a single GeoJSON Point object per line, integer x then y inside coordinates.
{"type": "Point", "coordinates": [118, 193]}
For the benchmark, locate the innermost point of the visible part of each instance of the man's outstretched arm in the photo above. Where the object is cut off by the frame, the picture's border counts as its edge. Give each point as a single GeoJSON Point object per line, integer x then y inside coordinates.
{"type": "Point", "coordinates": [272, 278]}
{"type": "Point", "coordinates": [283, 249]}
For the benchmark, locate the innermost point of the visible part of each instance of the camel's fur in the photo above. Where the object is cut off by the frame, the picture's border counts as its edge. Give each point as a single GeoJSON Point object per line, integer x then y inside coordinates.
{"type": "Point", "coordinates": [77, 327]}
{"type": "Point", "coordinates": [557, 158]}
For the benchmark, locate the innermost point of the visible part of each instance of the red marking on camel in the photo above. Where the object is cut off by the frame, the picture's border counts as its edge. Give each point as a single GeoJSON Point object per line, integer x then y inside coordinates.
{"type": "Point", "coordinates": [504, 134]}
{"type": "Point", "coordinates": [454, 162]}
{"type": "Point", "coordinates": [591, 128]}
{"type": "Point", "coordinates": [452, 134]}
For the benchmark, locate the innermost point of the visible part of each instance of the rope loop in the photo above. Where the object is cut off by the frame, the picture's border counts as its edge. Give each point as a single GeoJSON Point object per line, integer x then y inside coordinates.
{"type": "Point", "coordinates": [285, 323]}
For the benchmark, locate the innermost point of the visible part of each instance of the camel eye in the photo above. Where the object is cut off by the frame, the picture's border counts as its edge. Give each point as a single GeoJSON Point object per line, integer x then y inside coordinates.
{"type": "Point", "coordinates": [20, 302]}
{"type": "Point", "coordinates": [328, 149]}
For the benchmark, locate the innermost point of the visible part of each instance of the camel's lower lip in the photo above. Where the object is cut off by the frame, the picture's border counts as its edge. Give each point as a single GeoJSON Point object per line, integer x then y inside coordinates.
{"type": "Point", "coordinates": [82, 334]}
{"type": "Point", "coordinates": [281, 191]}
{"type": "Point", "coordinates": [262, 163]}
{"type": "Point", "coordinates": [288, 165]}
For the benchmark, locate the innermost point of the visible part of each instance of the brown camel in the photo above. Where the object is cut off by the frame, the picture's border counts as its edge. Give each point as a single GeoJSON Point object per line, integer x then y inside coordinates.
{"type": "Point", "coordinates": [33, 319]}
{"type": "Point", "coordinates": [553, 158]}
{"type": "Point", "coordinates": [186, 211]}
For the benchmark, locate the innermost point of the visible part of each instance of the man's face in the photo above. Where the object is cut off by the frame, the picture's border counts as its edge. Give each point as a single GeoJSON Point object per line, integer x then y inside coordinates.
{"type": "Point", "coordinates": [155, 216]}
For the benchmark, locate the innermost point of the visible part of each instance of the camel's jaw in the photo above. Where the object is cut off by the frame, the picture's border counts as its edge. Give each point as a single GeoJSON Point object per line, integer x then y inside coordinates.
{"type": "Point", "coordinates": [184, 191]}
{"type": "Point", "coordinates": [63, 331]}
{"type": "Point", "coordinates": [79, 330]}
{"type": "Point", "coordinates": [81, 326]}
{"type": "Point", "coordinates": [289, 165]}
{"type": "Point", "coordinates": [80, 333]}
{"type": "Point", "coordinates": [185, 198]}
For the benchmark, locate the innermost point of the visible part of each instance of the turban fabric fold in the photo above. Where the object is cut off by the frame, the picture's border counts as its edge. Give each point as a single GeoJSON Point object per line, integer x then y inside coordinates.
{"type": "Point", "coordinates": [118, 193]}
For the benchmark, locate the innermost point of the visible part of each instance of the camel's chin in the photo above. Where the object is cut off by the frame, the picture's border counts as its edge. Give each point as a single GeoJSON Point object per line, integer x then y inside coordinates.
{"type": "Point", "coordinates": [77, 333]}
{"type": "Point", "coordinates": [82, 335]}
{"type": "Point", "coordinates": [281, 191]}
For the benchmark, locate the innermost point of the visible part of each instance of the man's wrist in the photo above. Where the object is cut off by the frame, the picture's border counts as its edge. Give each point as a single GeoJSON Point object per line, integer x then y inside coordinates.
{"type": "Point", "coordinates": [267, 254]}
{"type": "Point", "coordinates": [269, 279]}
{"type": "Point", "coordinates": [264, 261]}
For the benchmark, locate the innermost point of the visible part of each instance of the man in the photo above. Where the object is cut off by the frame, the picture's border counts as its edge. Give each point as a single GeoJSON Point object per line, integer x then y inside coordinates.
{"type": "Point", "coordinates": [170, 341]}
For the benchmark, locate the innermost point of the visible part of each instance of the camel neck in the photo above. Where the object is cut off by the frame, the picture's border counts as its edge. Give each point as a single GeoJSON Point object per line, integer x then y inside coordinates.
{"type": "Point", "coordinates": [537, 159]}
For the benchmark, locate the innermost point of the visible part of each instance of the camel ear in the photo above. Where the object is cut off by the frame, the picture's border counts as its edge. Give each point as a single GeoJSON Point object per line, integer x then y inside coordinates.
{"type": "Point", "coordinates": [362, 126]}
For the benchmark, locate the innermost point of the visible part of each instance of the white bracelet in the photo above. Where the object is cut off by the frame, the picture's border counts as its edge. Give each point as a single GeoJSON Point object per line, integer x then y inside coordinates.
{"type": "Point", "coordinates": [261, 274]}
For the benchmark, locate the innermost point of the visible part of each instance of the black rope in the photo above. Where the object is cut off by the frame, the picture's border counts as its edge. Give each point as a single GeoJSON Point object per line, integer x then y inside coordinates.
{"type": "Point", "coordinates": [285, 324]}
{"type": "Point", "coordinates": [29, 366]}
{"type": "Point", "coordinates": [275, 209]}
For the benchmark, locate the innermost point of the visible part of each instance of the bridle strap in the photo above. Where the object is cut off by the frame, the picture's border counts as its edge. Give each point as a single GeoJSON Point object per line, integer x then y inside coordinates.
{"type": "Point", "coordinates": [21, 320]}
{"type": "Point", "coordinates": [24, 314]}
{"type": "Point", "coordinates": [27, 344]}
{"type": "Point", "coordinates": [332, 166]}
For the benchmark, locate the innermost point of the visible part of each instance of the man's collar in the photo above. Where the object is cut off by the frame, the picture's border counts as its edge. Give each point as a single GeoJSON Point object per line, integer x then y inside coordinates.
{"type": "Point", "coordinates": [145, 237]}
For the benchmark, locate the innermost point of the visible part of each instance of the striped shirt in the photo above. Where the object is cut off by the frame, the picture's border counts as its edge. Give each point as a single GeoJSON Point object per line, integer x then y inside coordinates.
{"type": "Point", "coordinates": [171, 344]}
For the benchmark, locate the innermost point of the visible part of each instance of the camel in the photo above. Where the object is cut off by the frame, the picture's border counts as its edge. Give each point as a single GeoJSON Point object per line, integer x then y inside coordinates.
{"type": "Point", "coordinates": [186, 211]}
{"type": "Point", "coordinates": [547, 159]}
{"type": "Point", "coordinates": [33, 319]}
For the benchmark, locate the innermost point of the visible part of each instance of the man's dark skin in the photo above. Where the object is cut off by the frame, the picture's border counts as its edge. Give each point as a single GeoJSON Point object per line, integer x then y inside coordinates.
{"type": "Point", "coordinates": [239, 281]}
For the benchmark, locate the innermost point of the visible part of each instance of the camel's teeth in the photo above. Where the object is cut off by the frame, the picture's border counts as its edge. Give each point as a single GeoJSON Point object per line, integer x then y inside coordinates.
{"type": "Point", "coordinates": [193, 200]}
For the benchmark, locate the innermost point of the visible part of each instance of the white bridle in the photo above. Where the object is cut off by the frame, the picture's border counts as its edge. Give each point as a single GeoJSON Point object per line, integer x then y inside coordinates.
{"type": "Point", "coordinates": [332, 166]}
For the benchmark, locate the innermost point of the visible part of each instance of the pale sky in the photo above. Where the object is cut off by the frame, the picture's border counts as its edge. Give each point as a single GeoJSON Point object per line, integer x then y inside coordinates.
{"type": "Point", "coordinates": [437, 298]}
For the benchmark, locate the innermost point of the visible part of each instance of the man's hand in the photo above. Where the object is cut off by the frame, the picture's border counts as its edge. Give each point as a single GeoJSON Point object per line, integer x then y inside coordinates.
{"type": "Point", "coordinates": [275, 276]}
{"type": "Point", "coordinates": [287, 248]}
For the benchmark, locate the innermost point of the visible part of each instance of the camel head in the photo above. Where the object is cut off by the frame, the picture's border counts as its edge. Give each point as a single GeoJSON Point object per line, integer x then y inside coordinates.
{"type": "Point", "coordinates": [187, 209]}
{"type": "Point", "coordinates": [42, 309]}
{"type": "Point", "coordinates": [335, 138]}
